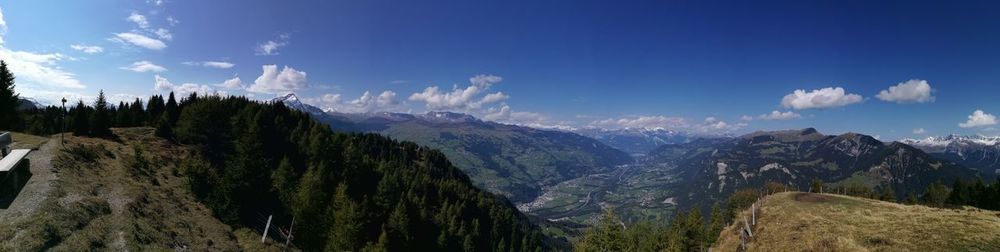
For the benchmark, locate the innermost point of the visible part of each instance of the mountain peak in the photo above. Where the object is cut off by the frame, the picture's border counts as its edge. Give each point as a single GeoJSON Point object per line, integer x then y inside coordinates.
{"type": "Point", "coordinates": [807, 134]}
{"type": "Point", "coordinates": [446, 116]}
{"type": "Point", "coordinates": [292, 101]}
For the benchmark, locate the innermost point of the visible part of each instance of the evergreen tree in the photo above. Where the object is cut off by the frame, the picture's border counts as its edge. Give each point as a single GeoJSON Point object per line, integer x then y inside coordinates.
{"type": "Point", "coordinates": [695, 230]}
{"type": "Point", "coordinates": [154, 109]}
{"type": "Point", "coordinates": [100, 120]}
{"type": "Point", "coordinates": [172, 109]}
{"type": "Point", "coordinates": [959, 194]}
{"type": "Point", "coordinates": [122, 116]}
{"type": "Point", "coordinates": [911, 198]}
{"type": "Point", "coordinates": [888, 194]}
{"type": "Point", "coordinates": [936, 194]}
{"type": "Point", "coordinates": [81, 119]}
{"type": "Point", "coordinates": [607, 235]}
{"type": "Point", "coordinates": [9, 100]}
{"type": "Point", "coordinates": [163, 128]}
{"type": "Point", "coordinates": [284, 181]}
{"type": "Point", "coordinates": [138, 114]}
{"type": "Point", "coordinates": [716, 223]}
{"type": "Point", "coordinates": [816, 185]}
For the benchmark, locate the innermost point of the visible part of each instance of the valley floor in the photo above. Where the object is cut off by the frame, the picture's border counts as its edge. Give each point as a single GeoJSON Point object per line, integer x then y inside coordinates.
{"type": "Point", "coordinates": [796, 221]}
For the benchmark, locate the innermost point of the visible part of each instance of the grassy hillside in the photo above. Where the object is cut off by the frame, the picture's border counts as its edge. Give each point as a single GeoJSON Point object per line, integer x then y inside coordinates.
{"type": "Point", "coordinates": [113, 195]}
{"type": "Point", "coordinates": [825, 222]}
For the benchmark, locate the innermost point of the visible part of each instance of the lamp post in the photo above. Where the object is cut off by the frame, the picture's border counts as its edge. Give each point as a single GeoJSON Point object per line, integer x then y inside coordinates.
{"type": "Point", "coordinates": [62, 137]}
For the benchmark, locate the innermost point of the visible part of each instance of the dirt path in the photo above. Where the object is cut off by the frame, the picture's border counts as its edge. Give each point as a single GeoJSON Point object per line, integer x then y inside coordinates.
{"type": "Point", "coordinates": [39, 185]}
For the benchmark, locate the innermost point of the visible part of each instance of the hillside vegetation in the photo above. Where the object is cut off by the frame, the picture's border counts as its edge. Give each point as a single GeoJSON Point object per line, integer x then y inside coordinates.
{"type": "Point", "coordinates": [116, 195]}
{"type": "Point", "coordinates": [511, 160]}
{"type": "Point", "coordinates": [796, 221]}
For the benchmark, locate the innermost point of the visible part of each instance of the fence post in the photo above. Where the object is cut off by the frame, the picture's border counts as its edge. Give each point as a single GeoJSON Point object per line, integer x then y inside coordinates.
{"type": "Point", "coordinates": [266, 227]}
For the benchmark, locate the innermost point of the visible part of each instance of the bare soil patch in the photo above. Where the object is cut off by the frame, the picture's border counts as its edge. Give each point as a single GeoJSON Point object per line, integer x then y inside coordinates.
{"type": "Point", "coordinates": [811, 197]}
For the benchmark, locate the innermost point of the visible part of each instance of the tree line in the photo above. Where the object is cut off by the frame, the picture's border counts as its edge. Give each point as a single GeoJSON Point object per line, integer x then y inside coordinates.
{"type": "Point", "coordinates": [345, 192]}
{"type": "Point", "coordinates": [974, 192]}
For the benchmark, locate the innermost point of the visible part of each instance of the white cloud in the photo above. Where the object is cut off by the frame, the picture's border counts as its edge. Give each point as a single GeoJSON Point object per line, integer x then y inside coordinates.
{"type": "Point", "coordinates": [35, 70]}
{"type": "Point", "coordinates": [746, 118]}
{"type": "Point", "coordinates": [710, 125]}
{"type": "Point", "coordinates": [139, 40]}
{"type": "Point", "coordinates": [778, 115]}
{"type": "Point", "coordinates": [172, 21]}
{"type": "Point", "coordinates": [368, 102]}
{"type": "Point", "coordinates": [829, 97]}
{"type": "Point", "coordinates": [911, 91]}
{"type": "Point", "coordinates": [642, 122]}
{"type": "Point", "coordinates": [272, 81]}
{"type": "Point", "coordinates": [506, 115]}
{"type": "Point", "coordinates": [325, 102]}
{"type": "Point", "coordinates": [139, 20]}
{"type": "Point", "coordinates": [919, 131]}
{"type": "Point", "coordinates": [212, 64]}
{"type": "Point", "coordinates": [979, 118]}
{"type": "Point", "coordinates": [271, 47]}
{"type": "Point", "coordinates": [144, 66]}
{"type": "Point", "coordinates": [87, 49]}
{"type": "Point", "coordinates": [461, 99]}
{"type": "Point", "coordinates": [156, 2]}
{"type": "Point", "coordinates": [161, 84]}
{"type": "Point", "coordinates": [164, 34]}
{"type": "Point", "coordinates": [234, 83]}
{"type": "Point", "coordinates": [3, 27]}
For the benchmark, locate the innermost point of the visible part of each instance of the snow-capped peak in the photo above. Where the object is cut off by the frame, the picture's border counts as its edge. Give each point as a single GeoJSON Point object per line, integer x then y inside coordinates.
{"type": "Point", "coordinates": [938, 141]}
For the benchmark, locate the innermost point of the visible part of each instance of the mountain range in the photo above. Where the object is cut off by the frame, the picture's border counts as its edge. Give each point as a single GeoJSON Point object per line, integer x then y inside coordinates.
{"type": "Point", "coordinates": [977, 151]}
{"type": "Point", "coordinates": [519, 162]}
{"type": "Point", "coordinates": [711, 169]}
{"type": "Point", "coordinates": [636, 141]}
{"type": "Point", "coordinates": [510, 160]}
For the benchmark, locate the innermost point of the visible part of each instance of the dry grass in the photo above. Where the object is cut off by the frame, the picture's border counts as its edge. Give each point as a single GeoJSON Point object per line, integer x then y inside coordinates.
{"type": "Point", "coordinates": [122, 195]}
{"type": "Point", "coordinates": [828, 222]}
{"type": "Point", "coordinates": [26, 141]}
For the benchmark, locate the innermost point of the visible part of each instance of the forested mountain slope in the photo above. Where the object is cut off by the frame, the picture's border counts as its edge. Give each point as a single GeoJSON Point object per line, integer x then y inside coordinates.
{"type": "Point", "coordinates": [511, 160]}
{"type": "Point", "coordinates": [346, 192]}
{"type": "Point", "coordinates": [712, 169]}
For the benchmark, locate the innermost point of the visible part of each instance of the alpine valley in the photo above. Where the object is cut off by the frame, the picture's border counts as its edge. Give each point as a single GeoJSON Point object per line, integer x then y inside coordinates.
{"type": "Point", "coordinates": [568, 178]}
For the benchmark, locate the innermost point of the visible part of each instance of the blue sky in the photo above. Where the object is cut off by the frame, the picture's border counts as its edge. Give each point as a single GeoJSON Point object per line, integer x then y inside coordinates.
{"type": "Point", "coordinates": [704, 66]}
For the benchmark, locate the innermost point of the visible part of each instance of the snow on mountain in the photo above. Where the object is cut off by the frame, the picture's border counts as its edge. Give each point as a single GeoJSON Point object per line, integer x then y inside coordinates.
{"type": "Point", "coordinates": [293, 102]}
{"type": "Point", "coordinates": [941, 144]}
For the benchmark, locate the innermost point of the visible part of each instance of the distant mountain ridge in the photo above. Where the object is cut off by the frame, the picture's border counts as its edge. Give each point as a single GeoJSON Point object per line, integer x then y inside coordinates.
{"type": "Point", "coordinates": [510, 160]}
{"type": "Point", "coordinates": [636, 141]}
{"type": "Point", "coordinates": [712, 169]}
{"type": "Point", "coordinates": [976, 151]}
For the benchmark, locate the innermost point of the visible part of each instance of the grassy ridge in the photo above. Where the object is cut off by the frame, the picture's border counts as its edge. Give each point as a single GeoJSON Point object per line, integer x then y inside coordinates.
{"type": "Point", "coordinates": [119, 195]}
{"type": "Point", "coordinates": [827, 222]}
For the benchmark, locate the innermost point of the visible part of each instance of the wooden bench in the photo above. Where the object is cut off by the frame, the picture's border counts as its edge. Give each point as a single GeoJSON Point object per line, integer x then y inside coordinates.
{"type": "Point", "coordinates": [10, 161]}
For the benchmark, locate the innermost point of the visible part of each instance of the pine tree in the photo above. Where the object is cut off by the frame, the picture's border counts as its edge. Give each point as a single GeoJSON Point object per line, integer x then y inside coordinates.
{"type": "Point", "coordinates": [138, 114]}
{"type": "Point", "coordinates": [100, 120]}
{"type": "Point", "coordinates": [936, 194]}
{"type": "Point", "coordinates": [81, 120]}
{"type": "Point", "coordinates": [9, 100]}
{"type": "Point", "coordinates": [154, 109]}
{"type": "Point", "coordinates": [607, 235]}
{"type": "Point", "coordinates": [163, 128]}
{"type": "Point", "coordinates": [959, 194]}
{"type": "Point", "coordinates": [911, 198]}
{"type": "Point", "coordinates": [172, 109]}
{"type": "Point", "coordinates": [816, 186]}
{"type": "Point", "coordinates": [695, 230]}
{"type": "Point", "coordinates": [284, 180]}
{"type": "Point", "coordinates": [716, 223]}
{"type": "Point", "coordinates": [888, 194]}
